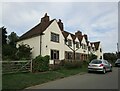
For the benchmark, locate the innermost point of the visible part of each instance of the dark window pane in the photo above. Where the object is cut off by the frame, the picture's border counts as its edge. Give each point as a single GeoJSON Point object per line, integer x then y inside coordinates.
{"type": "Point", "coordinates": [51, 54]}
{"type": "Point", "coordinates": [54, 37]}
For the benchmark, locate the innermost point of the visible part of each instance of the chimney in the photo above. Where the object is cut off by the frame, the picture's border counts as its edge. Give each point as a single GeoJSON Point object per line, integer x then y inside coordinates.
{"type": "Point", "coordinates": [45, 19]}
{"type": "Point", "coordinates": [78, 33]}
{"type": "Point", "coordinates": [61, 25]}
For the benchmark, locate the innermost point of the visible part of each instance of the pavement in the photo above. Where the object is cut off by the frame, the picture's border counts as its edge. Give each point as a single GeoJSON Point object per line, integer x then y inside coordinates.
{"type": "Point", "coordinates": [84, 81]}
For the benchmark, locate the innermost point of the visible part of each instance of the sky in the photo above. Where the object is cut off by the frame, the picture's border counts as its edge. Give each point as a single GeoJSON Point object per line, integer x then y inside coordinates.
{"type": "Point", "coordinates": [99, 20]}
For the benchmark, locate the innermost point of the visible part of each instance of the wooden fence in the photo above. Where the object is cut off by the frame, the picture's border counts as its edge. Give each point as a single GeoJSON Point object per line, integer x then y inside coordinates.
{"type": "Point", "coordinates": [16, 66]}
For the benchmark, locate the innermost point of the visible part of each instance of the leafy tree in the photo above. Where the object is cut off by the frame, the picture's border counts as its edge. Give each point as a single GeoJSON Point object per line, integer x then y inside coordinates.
{"type": "Point", "coordinates": [4, 36]}
{"type": "Point", "coordinates": [118, 54]}
{"type": "Point", "coordinates": [110, 57]}
{"type": "Point", "coordinates": [12, 39]}
{"type": "Point", "coordinates": [24, 51]}
{"type": "Point", "coordinates": [92, 56]}
{"type": "Point", "coordinates": [9, 52]}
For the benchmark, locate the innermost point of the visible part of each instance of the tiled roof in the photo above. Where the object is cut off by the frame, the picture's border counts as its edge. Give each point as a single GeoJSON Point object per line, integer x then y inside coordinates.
{"type": "Point", "coordinates": [43, 25]}
{"type": "Point", "coordinates": [65, 34]}
{"type": "Point", "coordinates": [96, 44]}
{"type": "Point", "coordinates": [37, 30]}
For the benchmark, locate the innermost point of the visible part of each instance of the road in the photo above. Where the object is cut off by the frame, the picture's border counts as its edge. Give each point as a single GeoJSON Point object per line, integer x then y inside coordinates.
{"type": "Point", "coordinates": [85, 81]}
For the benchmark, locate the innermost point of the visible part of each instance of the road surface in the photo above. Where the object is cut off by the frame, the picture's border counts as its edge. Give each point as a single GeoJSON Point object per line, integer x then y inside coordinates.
{"type": "Point", "coordinates": [85, 81]}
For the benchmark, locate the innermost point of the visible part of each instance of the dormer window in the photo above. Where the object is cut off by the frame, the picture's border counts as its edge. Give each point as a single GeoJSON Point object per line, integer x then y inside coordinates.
{"type": "Point", "coordinates": [55, 37]}
{"type": "Point", "coordinates": [93, 48]}
{"type": "Point", "coordinates": [77, 44]}
{"type": "Point", "coordinates": [69, 42]}
{"type": "Point", "coordinates": [84, 46]}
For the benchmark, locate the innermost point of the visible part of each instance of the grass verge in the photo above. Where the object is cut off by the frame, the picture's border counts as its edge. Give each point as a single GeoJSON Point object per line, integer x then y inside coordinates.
{"type": "Point", "coordinates": [23, 80]}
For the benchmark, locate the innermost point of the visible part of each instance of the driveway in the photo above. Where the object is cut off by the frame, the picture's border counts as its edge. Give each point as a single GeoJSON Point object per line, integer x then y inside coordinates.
{"type": "Point", "coordinates": [85, 81]}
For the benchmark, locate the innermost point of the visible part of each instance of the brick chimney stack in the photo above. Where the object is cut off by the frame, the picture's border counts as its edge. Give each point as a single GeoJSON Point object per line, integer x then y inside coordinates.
{"type": "Point", "coordinates": [61, 25]}
{"type": "Point", "coordinates": [78, 33]}
{"type": "Point", "coordinates": [45, 19]}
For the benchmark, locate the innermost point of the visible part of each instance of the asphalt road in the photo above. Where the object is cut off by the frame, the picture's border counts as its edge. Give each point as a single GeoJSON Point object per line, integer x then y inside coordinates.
{"type": "Point", "coordinates": [85, 81]}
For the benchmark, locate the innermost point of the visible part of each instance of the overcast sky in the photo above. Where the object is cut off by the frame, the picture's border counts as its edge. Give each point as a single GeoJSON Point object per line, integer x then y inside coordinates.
{"type": "Point", "coordinates": [99, 20]}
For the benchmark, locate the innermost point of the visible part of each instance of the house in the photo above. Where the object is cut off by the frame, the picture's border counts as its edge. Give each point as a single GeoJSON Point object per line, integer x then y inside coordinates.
{"type": "Point", "coordinates": [48, 37]}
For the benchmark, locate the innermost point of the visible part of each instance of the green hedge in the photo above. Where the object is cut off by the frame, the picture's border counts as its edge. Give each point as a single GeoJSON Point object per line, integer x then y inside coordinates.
{"type": "Point", "coordinates": [40, 64]}
{"type": "Point", "coordinates": [72, 64]}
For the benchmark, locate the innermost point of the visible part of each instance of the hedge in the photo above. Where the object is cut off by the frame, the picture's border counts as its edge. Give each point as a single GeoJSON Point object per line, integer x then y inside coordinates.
{"type": "Point", "coordinates": [40, 64]}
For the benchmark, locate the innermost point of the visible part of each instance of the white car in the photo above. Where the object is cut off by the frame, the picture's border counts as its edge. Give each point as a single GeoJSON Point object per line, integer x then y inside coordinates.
{"type": "Point", "coordinates": [99, 65]}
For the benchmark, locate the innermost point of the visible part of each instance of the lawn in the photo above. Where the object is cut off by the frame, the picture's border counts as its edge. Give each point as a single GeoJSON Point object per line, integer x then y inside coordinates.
{"type": "Point", "coordinates": [23, 80]}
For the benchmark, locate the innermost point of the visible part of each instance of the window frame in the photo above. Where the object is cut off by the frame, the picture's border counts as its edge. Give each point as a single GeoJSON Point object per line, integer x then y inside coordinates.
{"type": "Point", "coordinates": [77, 45]}
{"type": "Point", "coordinates": [53, 53]}
{"type": "Point", "coordinates": [69, 42]}
{"type": "Point", "coordinates": [55, 37]}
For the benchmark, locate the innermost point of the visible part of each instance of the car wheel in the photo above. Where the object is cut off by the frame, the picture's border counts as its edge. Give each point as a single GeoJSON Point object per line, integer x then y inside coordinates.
{"type": "Point", "coordinates": [104, 70]}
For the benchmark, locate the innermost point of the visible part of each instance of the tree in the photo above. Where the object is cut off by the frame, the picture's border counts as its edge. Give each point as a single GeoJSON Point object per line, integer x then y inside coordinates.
{"type": "Point", "coordinates": [110, 56]}
{"type": "Point", "coordinates": [92, 56]}
{"type": "Point", "coordinates": [73, 49]}
{"type": "Point", "coordinates": [12, 39]}
{"type": "Point", "coordinates": [24, 51]}
{"type": "Point", "coordinates": [4, 36]}
{"type": "Point", "coordinates": [118, 54]}
{"type": "Point", "coordinates": [9, 52]}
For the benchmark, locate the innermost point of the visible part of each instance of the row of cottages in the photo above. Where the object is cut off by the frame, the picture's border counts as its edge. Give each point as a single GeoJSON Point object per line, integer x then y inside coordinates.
{"type": "Point", "coordinates": [49, 38]}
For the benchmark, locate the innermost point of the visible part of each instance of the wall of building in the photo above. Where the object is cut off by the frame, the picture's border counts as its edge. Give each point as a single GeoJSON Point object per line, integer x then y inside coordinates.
{"type": "Point", "coordinates": [47, 44]}
{"type": "Point", "coordinates": [34, 43]}
{"type": "Point", "coordinates": [98, 53]}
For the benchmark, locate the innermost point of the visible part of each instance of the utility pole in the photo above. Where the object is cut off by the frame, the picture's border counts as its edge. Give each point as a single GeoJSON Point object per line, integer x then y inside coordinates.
{"type": "Point", "coordinates": [118, 47]}
{"type": "Point", "coordinates": [118, 52]}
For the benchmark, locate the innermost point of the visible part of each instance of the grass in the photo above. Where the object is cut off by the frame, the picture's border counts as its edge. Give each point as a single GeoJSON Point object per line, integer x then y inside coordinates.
{"type": "Point", "coordinates": [23, 80]}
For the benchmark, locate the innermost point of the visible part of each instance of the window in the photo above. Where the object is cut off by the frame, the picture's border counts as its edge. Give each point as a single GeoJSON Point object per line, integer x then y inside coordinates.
{"type": "Point", "coordinates": [77, 56]}
{"type": "Point", "coordinates": [68, 55]}
{"type": "Point", "coordinates": [100, 57]}
{"type": "Point", "coordinates": [69, 42]}
{"type": "Point", "coordinates": [54, 54]}
{"type": "Point", "coordinates": [100, 50]}
{"type": "Point", "coordinates": [77, 44]}
{"type": "Point", "coordinates": [54, 37]}
{"type": "Point", "coordinates": [96, 61]}
{"type": "Point", "coordinates": [93, 48]}
{"type": "Point", "coordinates": [89, 48]}
{"type": "Point", "coordinates": [84, 46]}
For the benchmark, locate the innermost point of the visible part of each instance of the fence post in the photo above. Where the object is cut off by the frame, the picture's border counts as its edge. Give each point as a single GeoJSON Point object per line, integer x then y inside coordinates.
{"type": "Point", "coordinates": [31, 66]}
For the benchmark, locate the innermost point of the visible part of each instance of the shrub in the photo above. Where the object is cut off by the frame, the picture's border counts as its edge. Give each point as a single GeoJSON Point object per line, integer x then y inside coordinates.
{"type": "Point", "coordinates": [55, 67]}
{"type": "Point", "coordinates": [41, 64]}
{"type": "Point", "coordinates": [91, 57]}
{"type": "Point", "coordinates": [72, 64]}
{"type": "Point", "coordinates": [8, 52]}
{"type": "Point", "coordinates": [24, 51]}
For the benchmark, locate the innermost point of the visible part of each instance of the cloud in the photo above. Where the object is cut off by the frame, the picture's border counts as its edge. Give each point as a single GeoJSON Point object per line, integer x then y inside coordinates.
{"type": "Point", "coordinates": [97, 20]}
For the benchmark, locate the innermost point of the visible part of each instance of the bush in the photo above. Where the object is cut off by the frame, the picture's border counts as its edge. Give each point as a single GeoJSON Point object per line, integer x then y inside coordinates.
{"type": "Point", "coordinates": [24, 51]}
{"type": "Point", "coordinates": [72, 64]}
{"type": "Point", "coordinates": [41, 64]}
{"type": "Point", "coordinates": [91, 57]}
{"type": "Point", "coordinates": [8, 52]}
{"type": "Point", "coordinates": [55, 67]}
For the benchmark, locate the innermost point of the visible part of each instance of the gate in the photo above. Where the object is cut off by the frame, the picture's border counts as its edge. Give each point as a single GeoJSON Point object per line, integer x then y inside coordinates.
{"type": "Point", "coordinates": [16, 66]}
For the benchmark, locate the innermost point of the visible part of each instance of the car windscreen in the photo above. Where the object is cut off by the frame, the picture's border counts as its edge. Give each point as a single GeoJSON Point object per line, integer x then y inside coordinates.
{"type": "Point", "coordinates": [96, 61]}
